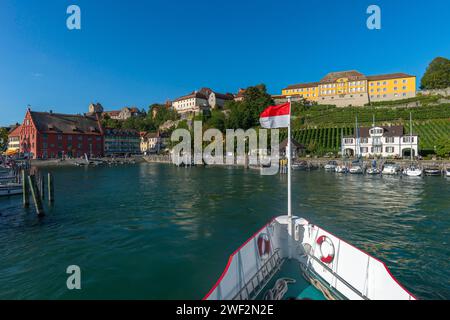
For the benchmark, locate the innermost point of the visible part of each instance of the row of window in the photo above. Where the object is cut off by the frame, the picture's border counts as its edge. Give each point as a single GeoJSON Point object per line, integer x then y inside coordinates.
{"type": "Point", "coordinates": [405, 139]}
{"type": "Point", "coordinates": [385, 89]}
{"type": "Point", "coordinates": [69, 146]}
{"type": "Point", "coordinates": [59, 137]}
{"type": "Point", "coordinates": [385, 95]}
{"type": "Point", "coordinates": [385, 82]}
{"type": "Point", "coordinates": [342, 84]}
{"type": "Point", "coordinates": [377, 149]}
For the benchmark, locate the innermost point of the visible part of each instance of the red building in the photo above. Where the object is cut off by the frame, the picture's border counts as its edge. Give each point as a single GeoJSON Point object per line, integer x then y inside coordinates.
{"type": "Point", "coordinates": [46, 135]}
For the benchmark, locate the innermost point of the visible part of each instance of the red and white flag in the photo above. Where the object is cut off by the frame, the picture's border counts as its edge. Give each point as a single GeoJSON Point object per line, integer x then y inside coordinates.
{"type": "Point", "coordinates": [276, 116]}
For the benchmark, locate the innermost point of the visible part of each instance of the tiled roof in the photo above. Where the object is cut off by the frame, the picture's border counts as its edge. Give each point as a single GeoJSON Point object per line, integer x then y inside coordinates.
{"type": "Point", "coordinates": [194, 94]}
{"type": "Point", "coordinates": [302, 85]}
{"type": "Point", "coordinates": [65, 123]}
{"type": "Point", "coordinates": [392, 131]}
{"type": "Point", "coordinates": [352, 75]}
{"type": "Point", "coordinates": [294, 143]}
{"type": "Point", "coordinates": [15, 132]}
{"type": "Point", "coordinates": [389, 76]}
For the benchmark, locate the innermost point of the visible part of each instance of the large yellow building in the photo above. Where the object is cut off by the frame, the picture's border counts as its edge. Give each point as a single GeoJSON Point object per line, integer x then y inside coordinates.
{"type": "Point", "coordinates": [352, 88]}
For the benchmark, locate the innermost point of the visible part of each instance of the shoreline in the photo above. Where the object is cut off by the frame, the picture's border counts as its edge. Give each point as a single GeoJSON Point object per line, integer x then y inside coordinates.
{"type": "Point", "coordinates": [318, 162]}
{"type": "Point", "coordinates": [73, 162]}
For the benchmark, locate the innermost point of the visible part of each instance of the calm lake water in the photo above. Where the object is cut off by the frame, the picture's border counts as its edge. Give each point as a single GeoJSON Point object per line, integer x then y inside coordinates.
{"type": "Point", "coordinates": [154, 231]}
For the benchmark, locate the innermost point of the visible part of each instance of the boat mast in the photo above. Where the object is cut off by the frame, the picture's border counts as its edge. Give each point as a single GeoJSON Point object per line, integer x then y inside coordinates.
{"type": "Point", "coordinates": [357, 145]}
{"type": "Point", "coordinates": [410, 136]}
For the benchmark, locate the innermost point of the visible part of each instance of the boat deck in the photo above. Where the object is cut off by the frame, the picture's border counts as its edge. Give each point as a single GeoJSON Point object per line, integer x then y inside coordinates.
{"type": "Point", "coordinates": [300, 290]}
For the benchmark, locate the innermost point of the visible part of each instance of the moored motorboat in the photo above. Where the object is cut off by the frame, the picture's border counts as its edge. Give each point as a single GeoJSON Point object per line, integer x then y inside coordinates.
{"type": "Point", "coordinates": [432, 171]}
{"type": "Point", "coordinates": [331, 166]}
{"type": "Point", "coordinates": [373, 171]}
{"type": "Point", "coordinates": [301, 165]}
{"type": "Point", "coordinates": [356, 169]}
{"type": "Point", "coordinates": [447, 172]}
{"type": "Point", "coordinates": [413, 171]}
{"type": "Point", "coordinates": [390, 168]}
{"type": "Point", "coordinates": [342, 169]}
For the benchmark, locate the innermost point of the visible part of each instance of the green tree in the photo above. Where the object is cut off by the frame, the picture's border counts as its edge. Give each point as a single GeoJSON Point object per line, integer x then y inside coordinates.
{"type": "Point", "coordinates": [217, 120]}
{"type": "Point", "coordinates": [437, 75]}
{"type": "Point", "coordinates": [245, 114]}
{"type": "Point", "coordinates": [443, 147]}
{"type": "Point", "coordinates": [3, 138]}
{"type": "Point", "coordinates": [163, 114]}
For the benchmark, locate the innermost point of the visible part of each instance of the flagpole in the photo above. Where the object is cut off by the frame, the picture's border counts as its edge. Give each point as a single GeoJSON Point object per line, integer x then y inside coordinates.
{"type": "Point", "coordinates": [289, 155]}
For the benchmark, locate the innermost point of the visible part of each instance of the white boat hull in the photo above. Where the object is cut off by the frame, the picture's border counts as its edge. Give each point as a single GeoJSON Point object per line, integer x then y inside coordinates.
{"type": "Point", "coordinates": [373, 171]}
{"type": "Point", "coordinates": [351, 273]}
{"type": "Point", "coordinates": [356, 170]}
{"type": "Point", "coordinates": [341, 169]}
{"type": "Point", "coordinates": [390, 171]}
{"type": "Point", "coordinates": [413, 172]}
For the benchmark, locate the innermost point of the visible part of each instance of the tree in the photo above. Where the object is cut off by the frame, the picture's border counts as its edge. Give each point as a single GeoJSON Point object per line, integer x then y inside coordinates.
{"type": "Point", "coordinates": [217, 120]}
{"type": "Point", "coordinates": [162, 115]}
{"type": "Point", "coordinates": [437, 75]}
{"type": "Point", "coordinates": [443, 147]}
{"type": "Point", "coordinates": [3, 138]}
{"type": "Point", "coordinates": [245, 114]}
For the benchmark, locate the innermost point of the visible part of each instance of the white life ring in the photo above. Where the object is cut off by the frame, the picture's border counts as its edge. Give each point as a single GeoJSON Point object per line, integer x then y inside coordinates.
{"type": "Point", "coordinates": [330, 256]}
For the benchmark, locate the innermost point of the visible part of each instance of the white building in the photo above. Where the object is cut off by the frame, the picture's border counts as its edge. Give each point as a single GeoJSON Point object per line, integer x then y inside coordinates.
{"type": "Point", "coordinates": [192, 103]}
{"type": "Point", "coordinates": [198, 101]}
{"type": "Point", "coordinates": [381, 141]}
{"type": "Point", "coordinates": [151, 143]}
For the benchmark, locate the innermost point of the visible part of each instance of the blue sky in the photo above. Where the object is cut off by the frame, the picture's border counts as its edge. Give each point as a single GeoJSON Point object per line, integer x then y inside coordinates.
{"type": "Point", "coordinates": [139, 52]}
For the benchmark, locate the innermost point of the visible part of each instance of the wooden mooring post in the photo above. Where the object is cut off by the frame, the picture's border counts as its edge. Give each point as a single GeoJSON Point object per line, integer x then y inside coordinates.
{"type": "Point", "coordinates": [25, 189]}
{"type": "Point", "coordinates": [42, 187]}
{"type": "Point", "coordinates": [51, 190]}
{"type": "Point", "coordinates": [36, 197]}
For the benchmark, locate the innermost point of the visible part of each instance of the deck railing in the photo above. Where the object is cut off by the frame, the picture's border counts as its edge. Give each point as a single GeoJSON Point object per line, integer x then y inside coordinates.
{"type": "Point", "coordinates": [257, 283]}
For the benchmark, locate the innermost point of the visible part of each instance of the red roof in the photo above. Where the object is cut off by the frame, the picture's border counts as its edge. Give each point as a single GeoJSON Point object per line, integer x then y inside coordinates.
{"type": "Point", "coordinates": [15, 132]}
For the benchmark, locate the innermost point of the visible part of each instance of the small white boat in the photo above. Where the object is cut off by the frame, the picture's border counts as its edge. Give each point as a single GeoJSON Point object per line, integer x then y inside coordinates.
{"type": "Point", "coordinates": [373, 171]}
{"type": "Point", "coordinates": [356, 169]}
{"type": "Point", "coordinates": [432, 171]}
{"type": "Point", "coordinates": [391, 168]}
{"type": "Point", "coordinates": [413, 171]}
{"type": "Point", "coordinates": [10, 189]}
{"type": "Point", "coordinates": [342, 169]}
{"type": "Point", "coordinates": [331, 166]}
{"type": "Point", "coordinates": [447, 172]}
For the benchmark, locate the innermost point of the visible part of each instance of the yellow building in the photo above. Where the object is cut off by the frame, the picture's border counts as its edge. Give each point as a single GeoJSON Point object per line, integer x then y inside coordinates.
{"type": "Point", "coordinates": [352, 88]}
{"type": "Point", "coordinates": [309, 91]}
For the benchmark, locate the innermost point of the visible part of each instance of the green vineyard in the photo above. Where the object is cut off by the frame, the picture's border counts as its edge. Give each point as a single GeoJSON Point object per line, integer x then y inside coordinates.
{"type": "Point", "coordinates": [328, 139]}
{"type": "Point", "coordinates": [320, 127]}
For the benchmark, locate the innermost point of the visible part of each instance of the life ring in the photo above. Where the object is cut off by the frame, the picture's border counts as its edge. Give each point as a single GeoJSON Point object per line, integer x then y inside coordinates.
{"type": "Point", "coordinates": [330, 257]}
{"type": "Point", "coordinates": [264, 247]}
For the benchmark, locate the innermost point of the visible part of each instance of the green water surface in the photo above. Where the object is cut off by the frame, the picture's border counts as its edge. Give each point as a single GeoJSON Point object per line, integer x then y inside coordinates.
{"type": "Point", "coordinates": [154, 231]}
